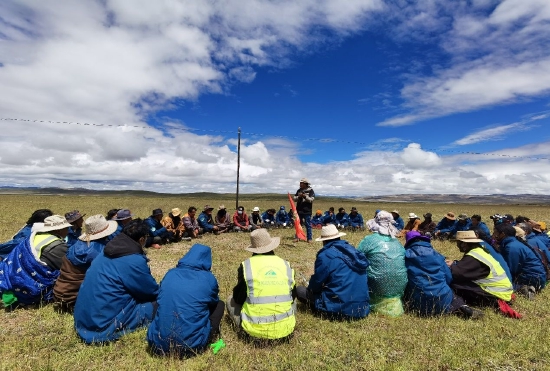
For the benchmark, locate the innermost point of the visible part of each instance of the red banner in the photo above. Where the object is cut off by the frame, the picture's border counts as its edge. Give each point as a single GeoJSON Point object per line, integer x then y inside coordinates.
{"type": "Point", "coordinates": [299, 231]}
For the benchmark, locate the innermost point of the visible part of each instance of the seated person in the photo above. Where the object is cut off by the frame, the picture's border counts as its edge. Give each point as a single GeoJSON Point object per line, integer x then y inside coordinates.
{"type": "Point", "coordinates": [173, 224]}
{"type": "Point", "coordinates": [281, 218]}
{"type": "Point", "coordinates": [37, 216]}
{"type": "Point", "coordinates": [158, 235]}
{"type": "Point", "coordinates": [427, 227]}
{"type": "Point", "coordinates": [478, 226]}
{"type": "Point", "coordinates": [533, 240]}
{"type": "Point", "coordinates": [111, 214]}
{"type": "Point", "coordinates": [526, 266]}
{"type": "Point", "coordinates": [338, 288]}
{"type": "Point", "coordinates": [428, 292]}
{"type": "Point", "coordinates": [206, 222]}
{"type": "Point", "coordinates": [445, 228]}
{"type": "Point", "coordinates": [342, 219]}
{"type": "Point", "coordinates": [477, 277]}
{"type": "Point", "coordinates": [317, 220]}
{"type": "Point", "coordinates": [191, 224]}
{"type": "Point", "coordinates": [462, 224]}
{"type": "Point", "coordinates": [355, 219]}
{"type": "Point", "coordinates": [291, 219]}
{"type": "Point", "coordinates": [240, 221]}
{"type": "Point", "coordinates": [329, 217]}
{"type": "Point", "coordinates": [118, 294]}
{"type": "Point", "coordinates": [387, 272]}
{"type": "Point", "coordinates": [256, 219]}
{"type": "Point", "coordinates": [398, 221]}
{"type": "Point", "coordinates": [223, 220]}
{"type": "Point", "coordinates": [268, 218]}
{"type": "Point", "coordinates": [28, 273]}
{"type": "Point", "coordinates": [122, 217]}
{"type": "Point", "coordinates": [262, 304]}
{"type": "Point", "coordinates": [79, 257]}
{"type": "Point", "coordinates": [412, 224]}
{"type": "Point", "coordinates": [75, 219]}
{"type": "Point", "coordinates": [187, 320]}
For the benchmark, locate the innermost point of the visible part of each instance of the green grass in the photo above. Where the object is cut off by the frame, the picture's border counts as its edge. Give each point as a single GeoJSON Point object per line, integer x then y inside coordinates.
{"type": "Point", "coordinates": [40, 338]}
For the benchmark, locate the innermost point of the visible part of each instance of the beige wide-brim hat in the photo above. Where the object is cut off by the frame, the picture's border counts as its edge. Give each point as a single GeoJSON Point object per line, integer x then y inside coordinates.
{"type": "Point", "coordinates": [329, 232]}
{"type": "Point", "coordinates": [413, 216]}
{"type": "Point", "coordinates": [467, 236]}
{"type": "Point", "coordinates": [261, 242]}
{"type": "Point", "coordinates": [96, 227]}
{"type": "Point", "coordinates": [519, 232]}
{"type": "Point", "coordinates": [55, 223]}
{"type": "Point", "coordinates": [176, 211]}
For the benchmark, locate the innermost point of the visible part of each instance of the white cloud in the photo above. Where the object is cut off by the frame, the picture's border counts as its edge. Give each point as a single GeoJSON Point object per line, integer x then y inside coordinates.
{"type": "Point", "coordinates": [416, 158]}
{"type": "Point", "coordinates": [494, 133]}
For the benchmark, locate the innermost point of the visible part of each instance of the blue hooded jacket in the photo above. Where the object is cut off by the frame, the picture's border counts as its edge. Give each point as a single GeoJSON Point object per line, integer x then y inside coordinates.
{"type": "Point", "coordinates": [525, 266]}
{"type": "Point", "coordinates": [188, 293]}
{"type": "Point", "coordinates": [156, 227]}
{"type": "Point", "coordinates": [72, 236]}
{"type": "Point", "coordinates": [342, 219]}
{"type": "Point", "coordinates": [339, 284]}
{"type": "Point", "coordinates": [460, 226]}
{"type": "Point", "coordinates": [81, 255]}
{"type": "Point", "coordinates": [204, 222]}
{"type": "Point", "coordinates": [534, 241]}
{"type": "Point", "coordinates": [317, 219]}
{"type": "Point", "coordinates": [356, 220]}
{"type": "Point", "coordinates": [7, 247]}
{"type": "Point", "coordinates": [281, 217]}
{"type": "Point", "coordinates": [117, 293]}
{"type": "Point", "coordinates": [329, 219]}
{"type": "Point", "coordinates": [445, 225]}
{"type": "Point", "coordinates": [428, 291]}
{"type": "Point", "coordinates": [481, 227]}
{"type": "Point", "coordinates": [399, 223]}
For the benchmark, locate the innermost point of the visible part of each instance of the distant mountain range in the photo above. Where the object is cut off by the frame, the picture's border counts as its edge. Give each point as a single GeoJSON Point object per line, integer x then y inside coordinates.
{"type": "Point", "coordinates": [494, 199]}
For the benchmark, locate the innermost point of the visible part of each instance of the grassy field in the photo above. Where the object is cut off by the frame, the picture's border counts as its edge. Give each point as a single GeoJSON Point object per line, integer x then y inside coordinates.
{"type": "Point", "coordinates": [40, 338]}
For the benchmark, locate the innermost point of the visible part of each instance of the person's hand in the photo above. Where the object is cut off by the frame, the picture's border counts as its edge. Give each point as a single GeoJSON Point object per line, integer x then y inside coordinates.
{"type": "Point", "coordinates": [449, 262]}
{"type": "Point", "coordinates": [215, 228]}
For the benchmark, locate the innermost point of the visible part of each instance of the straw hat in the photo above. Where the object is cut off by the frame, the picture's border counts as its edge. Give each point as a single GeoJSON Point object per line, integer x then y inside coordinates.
{"type": "Point", "coordinates": [256, 208]}
{"type": "Point", "coordinates": [55, 223]}
{"type": "Point", "coordinates": [221, 207]}
{"type": "Point", "coordinates": [413, 216]}
{"type": "Point", "coordinates": [96, 227]}
{"type": "Point", "coordinates": [176, 211]}
{"type": "Point", "coordinates": [329, 232]}
{"type": "Point", "coordinates": [450, 215]}
{"type": "Point", "coordinates": [467, 236]}
{"type": "Point", "coordinates": [304, 180]}
{"type": "Point", "coordinates": [261, 242]}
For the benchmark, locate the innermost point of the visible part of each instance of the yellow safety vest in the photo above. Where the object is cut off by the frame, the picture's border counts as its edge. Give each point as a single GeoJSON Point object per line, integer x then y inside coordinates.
{"type": "Point", "coordinates": [42, 240]}
{"type": "Point", "coordinates": [267, 312]}
{"type": "Point", "coordinates": [497, 282]}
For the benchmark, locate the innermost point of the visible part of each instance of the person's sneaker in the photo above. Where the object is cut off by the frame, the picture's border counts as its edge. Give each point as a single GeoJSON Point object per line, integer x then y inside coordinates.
{"type": "Point", "coordinates": [528, 291]}
{"type": "Point", "coordinates": [470, 312]}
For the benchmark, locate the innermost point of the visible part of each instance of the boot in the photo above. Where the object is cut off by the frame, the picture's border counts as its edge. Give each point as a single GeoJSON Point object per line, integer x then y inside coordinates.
{"type": "Point", "coordinates": [470, 312]}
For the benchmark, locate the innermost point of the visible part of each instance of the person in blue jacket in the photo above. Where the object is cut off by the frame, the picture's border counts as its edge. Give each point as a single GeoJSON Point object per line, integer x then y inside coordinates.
{"type": "Point", "coordinates": [478, 226]}
{"type": "Point", "coordinates": [525, 265]}
{"type": "Point", "coordinates": [281, 218]}
{"type": "Point", "coordinates": [342, 219]}
{"type": "Point", "coordinates": [399, 222]}
{"type": "Point", "coordinates": [76, 219]}
{"type": "Point", "coordinates": [329, 217]}
{"type": "Point", "coordinates": [118, 294]}
{"type": "Point", "coordinates": [445, 227]}
{"type": "Point", "coordinates": [533, 240]}
{"type": "Point", "coordinates": [158, 234]}
{"type": "Point", "coordinates": [37, 216]}
{"type": "Point", "coordinates": [428, 290]}
{"type": "Point", "coordinates": [539, 233]}
{"type": "Point", "coordinates": [268, 218]}
{"type": "Point", "coordinates": [317, 220]}
{"type": "Point", "coordinates": [187, 320]}
{"type": "Point", "coordinates": [463, 223]}
{"type": "Point", "coordinates": [205, 220]}
{"type": "Point", "coordinates": [339, 286]}
{"type": "Point", "coordinates": [122, 217]}
{"type": "Point", "coordinates": [355, 219]}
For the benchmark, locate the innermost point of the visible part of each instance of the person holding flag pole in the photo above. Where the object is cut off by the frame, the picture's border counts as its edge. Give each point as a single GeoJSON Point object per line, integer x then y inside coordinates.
{"type": "Point", "coordinates": [304, 204]}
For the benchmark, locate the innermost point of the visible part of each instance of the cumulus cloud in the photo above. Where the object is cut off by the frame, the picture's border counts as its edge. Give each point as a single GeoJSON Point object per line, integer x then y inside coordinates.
{"type": "Point", "coordinates": [416, 158]}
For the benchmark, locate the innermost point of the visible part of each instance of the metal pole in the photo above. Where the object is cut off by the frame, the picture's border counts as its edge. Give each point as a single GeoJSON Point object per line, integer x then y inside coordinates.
{"type": "Point", "coordinates": [238, 167]}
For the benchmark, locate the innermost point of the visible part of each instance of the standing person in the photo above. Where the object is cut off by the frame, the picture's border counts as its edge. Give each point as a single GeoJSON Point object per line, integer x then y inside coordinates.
{"type": "Point", "coordinates": [304, 204]}
{"type": "Point", "coordinates": [262, 303]}
{"type": "Point", "coordinates": [339, 286]}
{"type": "Point", "coordinates": [119, 293]}
{"type": "Point", "coordinates": [187, 320]}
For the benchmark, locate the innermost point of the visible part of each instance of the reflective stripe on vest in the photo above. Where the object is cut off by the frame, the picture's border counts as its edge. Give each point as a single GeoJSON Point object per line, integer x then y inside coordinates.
{"type": "Point", "coordinates": [497, 282]}
{"type": "Point", "coordinates": [41, 241]}
{"type": "Point", "coordinates": [267, 311]}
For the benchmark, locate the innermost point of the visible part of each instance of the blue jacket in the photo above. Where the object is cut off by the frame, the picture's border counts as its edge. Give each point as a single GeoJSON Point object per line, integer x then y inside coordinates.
{"type": "Point", "coordinates": [356, 220]}
{"type": "Point", "coordinates": [329, 219]}
{"type": "Point", "coordinates": [427, 291]}
{"type": "Point", "coordinates": [534, 241]}
{"type": "Point", "coordinates": [317, 220]}
{"type": "Point", "coordinates": [281, 217]}
{"type": "Point", "coordinates": [7, 247]}
{"type": "Point", "coordinates": [499, 258]}
{"type": "Point", "coordinates": [481, 227]}
{"type": "Point", "coordinates": [182, 320]}
{"type": "Point", "coordinates": [267, 218]}
{"type": "Point", "coordinates": [117, 293]}
{"type": "Point", "coordinates": [339, 284]}
{"type": "Point", "coordinates": [81, 255]}
{"type": "Point", "coordinates": [445, 226]}
{"type": "Point", "coordinates": [525, 266]}
{"type": "Point", "coordinates": [544, 238]}
{"type": "Point", "coordinates": [72, 236]}
{"type": "Point", "coordinates": [460, 226]}
{"type": "Point", "coordinates": [342, 219]}
{"type": "Point", "coordinates": [206, 222]}
{"type": "Point", "coordinates": [156, 227]}
{"type": "Point", "coordinates": [399, 223]}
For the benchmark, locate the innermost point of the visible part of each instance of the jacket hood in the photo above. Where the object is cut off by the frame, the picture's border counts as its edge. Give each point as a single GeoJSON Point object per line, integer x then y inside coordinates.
{"type": "Point", "coordinates": [198, 257]}
{"type": "Point", "coordinates": [122, 245]}
{"type": "Point", "coordinates": [354, 259]}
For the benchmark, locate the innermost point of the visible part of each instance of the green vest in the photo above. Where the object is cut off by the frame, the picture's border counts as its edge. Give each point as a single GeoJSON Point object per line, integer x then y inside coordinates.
{"type": "Point", "coordinates": [497, 282]}
{"type": "Point", "coordinates": [267, 312]}
{"type": "Point", "coordinates": [42, 240]}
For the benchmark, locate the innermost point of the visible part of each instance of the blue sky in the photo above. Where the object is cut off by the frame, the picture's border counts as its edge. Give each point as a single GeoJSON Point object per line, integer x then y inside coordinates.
{"type": "Point", "coordinates": [401, 93]}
